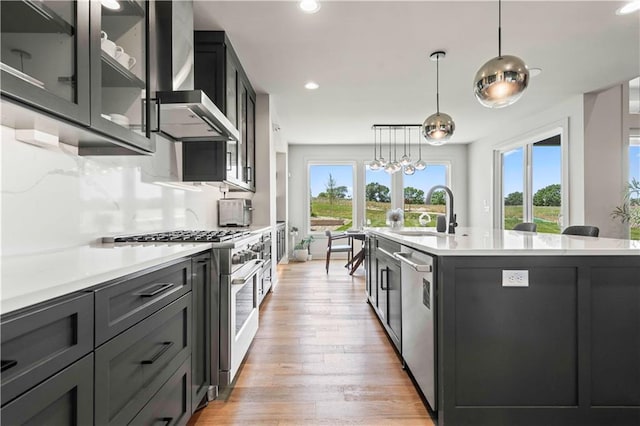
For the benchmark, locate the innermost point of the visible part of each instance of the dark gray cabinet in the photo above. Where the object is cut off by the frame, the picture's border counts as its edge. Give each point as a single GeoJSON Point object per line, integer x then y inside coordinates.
{"type": "Point", "coordinates": [45, 56]}
{"type": "Point", "coordinates": [41, 341]}
{"type": "Point", "coordinates": [219, 73]}
{"type": "Point", "coordinates": [126, 301]}
{"type": "Point", "coordinates": [203, 299]}
{"type": "Point", "coordinates": [82, 71]}
{"type": "Point", "coordinates": [66, 399]}
{"type": "Point", "coordinates": [389, 302]}
{"type": "Point", "coordinates": [171, 405]}
{"type": "Point", "coordinates": [133, 366]}
{"type": "Point", "coordinates": [281, 239]}
{"type": "Point", "coordinates": [120, 75]}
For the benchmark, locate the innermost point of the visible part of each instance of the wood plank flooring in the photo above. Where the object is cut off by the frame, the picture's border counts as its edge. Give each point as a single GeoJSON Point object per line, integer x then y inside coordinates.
{"type": "Point", "coordinates": [320, 358]}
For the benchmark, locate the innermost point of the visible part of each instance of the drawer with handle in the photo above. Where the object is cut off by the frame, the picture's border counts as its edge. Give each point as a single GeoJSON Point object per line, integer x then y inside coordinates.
{"type": "Point", "coordinates": [130, 368]}
{"type": "Point", "coordinates": [171, 406]}
{"type": "Point", "coordinates": [40, 341]}
{"type": "Point", "coordinates": [124, 302]}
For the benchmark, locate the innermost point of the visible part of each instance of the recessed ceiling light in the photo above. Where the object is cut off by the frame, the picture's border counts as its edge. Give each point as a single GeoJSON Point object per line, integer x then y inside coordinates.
{"type": "Point", "coordinates": [628, 8]}
{"type": "Point", "coordinates": [309, 6]}
{"type": "Point", "coordinates": [312, 85]}
{"type": "Point", "coordinates": [111, 4]}
{"type": "Point", "coordinates": [534, 72]}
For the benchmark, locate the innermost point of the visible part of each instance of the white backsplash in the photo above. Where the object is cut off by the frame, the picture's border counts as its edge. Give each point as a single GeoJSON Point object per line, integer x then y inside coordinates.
{"type": "Point", "coordinates": [53, 198]}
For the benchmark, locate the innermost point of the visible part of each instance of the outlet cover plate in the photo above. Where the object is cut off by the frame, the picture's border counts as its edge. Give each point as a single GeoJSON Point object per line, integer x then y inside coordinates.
{"type": "Point", "coordinates": [515, 278]}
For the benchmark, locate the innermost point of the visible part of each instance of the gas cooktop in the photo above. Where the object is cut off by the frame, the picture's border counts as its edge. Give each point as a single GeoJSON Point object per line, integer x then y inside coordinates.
{"type": "Point", "coordinates": [209, 236]}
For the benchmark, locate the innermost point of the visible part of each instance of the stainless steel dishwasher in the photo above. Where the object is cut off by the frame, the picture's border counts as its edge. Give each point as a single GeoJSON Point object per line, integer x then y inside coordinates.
{"type": "Point", "coordinates": [418, 319]}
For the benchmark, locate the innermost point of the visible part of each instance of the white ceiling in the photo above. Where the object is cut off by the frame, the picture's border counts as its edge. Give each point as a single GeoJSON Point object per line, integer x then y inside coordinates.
{"type": "Point", "coordinates": [371, 59]}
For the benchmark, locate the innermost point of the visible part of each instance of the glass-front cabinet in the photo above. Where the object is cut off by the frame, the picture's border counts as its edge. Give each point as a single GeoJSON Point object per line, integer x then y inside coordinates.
{"type": "Point", "coordinates": [45, 56]}
{"type": "Point", "coordinates": [120, 77]}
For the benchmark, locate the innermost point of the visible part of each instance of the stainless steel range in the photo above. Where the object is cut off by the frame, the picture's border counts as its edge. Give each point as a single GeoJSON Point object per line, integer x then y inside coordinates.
{"type": "Point", "coordinates": [235, 293]}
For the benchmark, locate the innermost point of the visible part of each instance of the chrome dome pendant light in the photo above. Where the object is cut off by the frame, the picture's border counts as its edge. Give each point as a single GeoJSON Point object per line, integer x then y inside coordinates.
{"type": "Point", "coordinates": [375, 164]}
{"type": "Point", "coordinates": [501, 81]}
{"type": "Point", "coordinates": [438, 127]}
{"type": "Point", "coordinates": [409, 168]}
{"type": "Point", "coordinates": [420, 164]}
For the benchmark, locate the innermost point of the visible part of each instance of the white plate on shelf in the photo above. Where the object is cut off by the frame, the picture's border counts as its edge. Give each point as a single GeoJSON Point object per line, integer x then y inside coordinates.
{"type": "Point", "coordinates": [6, 68]}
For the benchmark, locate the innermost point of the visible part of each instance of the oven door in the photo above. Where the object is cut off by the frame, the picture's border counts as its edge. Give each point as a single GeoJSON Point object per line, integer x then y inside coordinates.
{"type": "Point", "coordinates": [239, 321]}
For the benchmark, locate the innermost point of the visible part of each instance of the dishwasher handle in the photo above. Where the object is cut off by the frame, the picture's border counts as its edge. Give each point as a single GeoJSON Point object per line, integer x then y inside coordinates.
{"type": "Point", "coordinates": [403, 257]}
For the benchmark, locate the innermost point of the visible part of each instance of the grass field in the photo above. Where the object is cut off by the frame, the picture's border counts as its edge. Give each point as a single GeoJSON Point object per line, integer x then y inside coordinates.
{"type": "Point", "coordinates": [545, 217]}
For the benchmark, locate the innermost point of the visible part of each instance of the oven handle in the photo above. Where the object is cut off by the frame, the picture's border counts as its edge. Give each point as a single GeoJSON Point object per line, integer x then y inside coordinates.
{"type": "Point", "coordinates": [257, 266]}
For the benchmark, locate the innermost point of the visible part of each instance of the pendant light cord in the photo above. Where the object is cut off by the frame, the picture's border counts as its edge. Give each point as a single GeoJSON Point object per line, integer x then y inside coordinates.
{"type": "Point", "coordinates": [438, 84]}
{"type": "Point", "coordinates": [375, 144]}
{"type": "Point", "coordinates": [404, 141]}
{"type": "Point", "coordinates": [499, 28]}
{"type": "Point", "coordinates": [419, 146]}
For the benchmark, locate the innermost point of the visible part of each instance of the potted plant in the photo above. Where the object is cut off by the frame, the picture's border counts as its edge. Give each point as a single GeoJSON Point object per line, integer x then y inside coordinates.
{"type": "Point", "coordinates": [629, 211]}
{"type": "Point", "coordinates": [302, 249]}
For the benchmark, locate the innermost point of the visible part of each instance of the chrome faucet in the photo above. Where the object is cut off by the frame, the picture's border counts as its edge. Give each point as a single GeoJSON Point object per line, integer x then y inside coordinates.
{"type": "Point", "coordinates": [452, 215]}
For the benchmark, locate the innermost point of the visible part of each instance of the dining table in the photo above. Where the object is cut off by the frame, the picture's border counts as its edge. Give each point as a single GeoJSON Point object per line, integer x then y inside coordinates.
{"type": "Point", "coordinates": [358, 258]}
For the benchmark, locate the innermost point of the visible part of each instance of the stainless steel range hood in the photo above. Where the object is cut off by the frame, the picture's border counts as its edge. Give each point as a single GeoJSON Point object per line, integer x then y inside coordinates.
{"type": "Point", "coordinates": [185, 114]}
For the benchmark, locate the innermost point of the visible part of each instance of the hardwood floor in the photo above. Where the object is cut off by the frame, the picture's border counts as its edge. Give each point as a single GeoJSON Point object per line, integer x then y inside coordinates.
{"type": "Point", "coordinates": [320, 358]}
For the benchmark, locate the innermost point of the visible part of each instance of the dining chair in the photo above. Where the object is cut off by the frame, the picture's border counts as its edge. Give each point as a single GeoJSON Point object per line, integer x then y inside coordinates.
{"type": "Point", "coordinates": [584, 230]}
{"type": "Point", "coordinates": [526, 226]}
{"type": "Point", "coordinates": [338, 248]}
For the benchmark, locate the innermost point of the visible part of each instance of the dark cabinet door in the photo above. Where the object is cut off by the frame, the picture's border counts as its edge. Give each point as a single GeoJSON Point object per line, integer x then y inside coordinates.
{"type": "Point", "coordinates": [201, 329]}
{"type": "Point", "coordinates": [45, 56]}
{"type": "Point", "coordinates": [251, 143]}
{"type": "Point", "coordinates": [242, 128]}
{"type": "Point", "coordinates": [43, 340]}
{"type": "Point", "coordinates": [64, 399]}
{"type": "Point", "coordinates": [394, 300]}
{"type": "Point", "coordinates": [133, 366]}
{"type": "Point", "coordinates": [382, 281]}
{"type": "Point", "coordinates": [120, 102]}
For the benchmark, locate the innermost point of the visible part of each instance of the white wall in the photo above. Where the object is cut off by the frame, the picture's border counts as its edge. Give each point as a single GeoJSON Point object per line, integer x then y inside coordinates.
{"type": "Point", "coordinates": [481, 162]}
{"type": "Point", "coordinates": [53, 198]}
{"type": "Point", "coordinates": [300, 155]}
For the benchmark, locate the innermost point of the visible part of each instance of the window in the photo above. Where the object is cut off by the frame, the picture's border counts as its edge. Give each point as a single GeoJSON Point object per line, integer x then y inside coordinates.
{"type": "Point", "coordinates": [415, 188]}
{"type": "Point", "coordinates": [531, 185]}
{"type": "Point", "coordinates": [377, 195]}
{"type": "Point", "coordinates": [330, 197]}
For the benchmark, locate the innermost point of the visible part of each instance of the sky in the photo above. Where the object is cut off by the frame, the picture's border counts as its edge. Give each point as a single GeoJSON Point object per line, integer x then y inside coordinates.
{"type": "Point", "coordinates": [319, 176]}
{"type": "Point", "coordinates": [547, 168]}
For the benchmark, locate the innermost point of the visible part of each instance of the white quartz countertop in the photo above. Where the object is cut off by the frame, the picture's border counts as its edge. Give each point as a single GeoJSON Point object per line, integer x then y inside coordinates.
{"type": "Point", "coordinates": [31, 279]}
{"type": "Point", "coordinates": [483, 242]}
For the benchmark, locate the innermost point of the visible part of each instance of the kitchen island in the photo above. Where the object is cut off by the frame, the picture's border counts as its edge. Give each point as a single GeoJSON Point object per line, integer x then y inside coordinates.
{"type": "Point", "coordinates": [529, 328]}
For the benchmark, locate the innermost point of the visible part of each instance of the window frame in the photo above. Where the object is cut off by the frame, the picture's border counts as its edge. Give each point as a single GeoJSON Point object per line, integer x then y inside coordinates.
{"type": "Point", "coordinates": [526, 141]}
{"type": "Point", "coordinates": [354, 194]}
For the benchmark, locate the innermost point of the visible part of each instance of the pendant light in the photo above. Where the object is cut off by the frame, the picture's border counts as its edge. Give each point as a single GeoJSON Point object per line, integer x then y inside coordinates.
{"type": "Point", "coordinates": [375, 164]}
{"type": "Point", "coordinates": [405, 160]}
{"type": "Point", "coordinates": [420, 164]}
{"type": "Point", "coordinates": [409, 168]}
{"type": "Point", "coordinates": [502, 80]}
{"type": "Point", "coordinates": [381, 160]}
{"type": "Point", "coordinates": [438, 127]}
{"type": "Point", "coordinates": [389, 168]}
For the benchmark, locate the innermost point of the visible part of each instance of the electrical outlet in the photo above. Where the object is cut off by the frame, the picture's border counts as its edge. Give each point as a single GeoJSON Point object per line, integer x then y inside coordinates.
{"type": "Point", "coordinates": [513, 278]}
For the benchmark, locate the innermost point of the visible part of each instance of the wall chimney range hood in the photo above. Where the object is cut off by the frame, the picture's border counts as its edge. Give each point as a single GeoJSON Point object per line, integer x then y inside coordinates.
{"type": "Point", "coordinates": [185, 114]}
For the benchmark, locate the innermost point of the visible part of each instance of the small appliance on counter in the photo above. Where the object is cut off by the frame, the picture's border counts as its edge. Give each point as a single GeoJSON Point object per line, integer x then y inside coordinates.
{"type": "Point", "coordinates": [234, 212]}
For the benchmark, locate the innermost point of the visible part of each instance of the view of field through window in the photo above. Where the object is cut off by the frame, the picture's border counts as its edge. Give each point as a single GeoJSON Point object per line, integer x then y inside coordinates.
{"type": "Point", "coordinates": [331, 197]}
{"type": "Point", "coordinates": [545, 166]}
{"type": "Point", "coordinates": [416, 188]}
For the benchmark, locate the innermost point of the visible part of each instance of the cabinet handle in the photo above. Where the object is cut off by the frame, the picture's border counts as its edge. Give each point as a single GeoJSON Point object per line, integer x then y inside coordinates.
{"type": "Point", "coordinates": [382, 287]}
{"type": "Point", "coordinates": [157, 101]}
{"type": "Point", "coordinates": [7, 364]}
{"type": "Point", "coordinates": [248, 174]}
{"type": "Point", "coordinates": [160, 287]}
{"type": "Point", "coordinates": [165, 347]}
{"type": "Point", "coordinates": [229, 161]}
{"type": "Point", "coordinates": [204, 261]}
{"type": "Point", "coordinates": [166, 421]}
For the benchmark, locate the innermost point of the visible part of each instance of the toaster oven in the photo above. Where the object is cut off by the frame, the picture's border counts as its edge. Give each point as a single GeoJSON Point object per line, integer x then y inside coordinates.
{"type": "Point", "coordinates": [234, 212]}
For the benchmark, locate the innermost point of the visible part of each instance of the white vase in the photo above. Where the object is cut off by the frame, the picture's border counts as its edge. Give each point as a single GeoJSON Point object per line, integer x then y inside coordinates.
{"type": "Point", "coordinates": [301, 255]}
